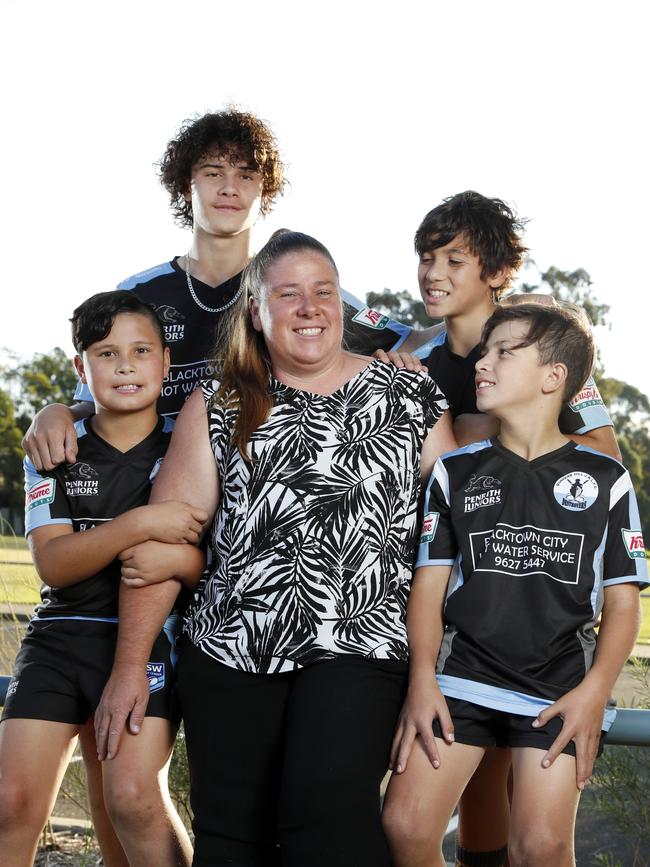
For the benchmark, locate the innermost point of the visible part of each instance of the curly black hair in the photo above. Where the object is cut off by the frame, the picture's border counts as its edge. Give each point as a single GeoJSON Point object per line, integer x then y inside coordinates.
{"type": "Point", "coordinates": [491, 229]}
{"type": "Point", "coordinates": [239, 135]}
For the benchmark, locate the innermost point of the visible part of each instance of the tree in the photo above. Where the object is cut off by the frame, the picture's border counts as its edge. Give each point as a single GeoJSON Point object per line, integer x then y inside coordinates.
{"type": "Point", "coordinates": [45, 378]}
{"type": "Point", "coordinates": [11, 459]}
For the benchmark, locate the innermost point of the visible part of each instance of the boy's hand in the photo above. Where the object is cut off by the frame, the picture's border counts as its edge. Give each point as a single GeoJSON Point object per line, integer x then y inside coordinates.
{"type": "Point", "coordinates": [401, 359]}
{"type": "Point", "coordinates": [424, 703]}
{"type": "Point", "coordinates": [173, 522]}
{"type": "Point", "coordinates": [51, 438]}
{"type": "Point", "coordinates": [582, 712]}
{"type": "Point", "coordinates": [148, 563]}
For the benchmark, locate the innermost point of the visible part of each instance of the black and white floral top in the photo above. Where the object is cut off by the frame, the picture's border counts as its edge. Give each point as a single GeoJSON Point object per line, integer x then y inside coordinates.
{"type": "Point", "coordinates": [313, 542]}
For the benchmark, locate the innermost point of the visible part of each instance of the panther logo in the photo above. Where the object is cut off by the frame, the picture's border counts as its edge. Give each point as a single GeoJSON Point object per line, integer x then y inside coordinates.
{"type": "Point", "coordinates": [81, 471]}
{"type": "Point", "coordinates": [168, 314]}
{"type": "Point", "coordinates": [481, 483]}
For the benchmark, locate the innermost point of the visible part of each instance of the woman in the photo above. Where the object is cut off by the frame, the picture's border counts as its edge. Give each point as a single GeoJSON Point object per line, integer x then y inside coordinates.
{"type": "Point", "coordinates": [292, 670]}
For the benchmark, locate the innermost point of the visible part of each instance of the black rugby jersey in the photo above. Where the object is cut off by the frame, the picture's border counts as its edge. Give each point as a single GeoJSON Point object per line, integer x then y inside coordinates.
{"type": "Point", "coordinates": [533, 545]}
{"type": "Point", "coordinates": [102, 483]}
{"type": "Point", "coordinates": [455, 376]}
{"type": "Point", "coordinates": [191, 331]}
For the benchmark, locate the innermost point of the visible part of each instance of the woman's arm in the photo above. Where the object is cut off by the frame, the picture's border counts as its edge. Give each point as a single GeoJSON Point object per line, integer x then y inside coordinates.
{"type": "Point", "coordinates": [441, 439]}
{"type": "Point", "coordinates": [189, 467]}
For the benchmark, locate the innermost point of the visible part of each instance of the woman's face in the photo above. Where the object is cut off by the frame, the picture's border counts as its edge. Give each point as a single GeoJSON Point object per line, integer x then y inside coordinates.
{"type": "Point", "coordinates": [299, 313]}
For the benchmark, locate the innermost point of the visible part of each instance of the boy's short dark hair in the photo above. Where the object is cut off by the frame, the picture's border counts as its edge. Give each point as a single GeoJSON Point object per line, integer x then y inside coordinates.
{"type": "Point", "coordinates": [561, 333]}
{"type": "Point", "coordinates": [92, 321]}
{"type": "Point", "coordinates": [491, 229]}
{"type": "Point", "coordinates": [238, 135]}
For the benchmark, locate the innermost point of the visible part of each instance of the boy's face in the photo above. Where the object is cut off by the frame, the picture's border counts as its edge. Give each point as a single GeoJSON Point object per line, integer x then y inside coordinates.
{"type": "Point", "coordinates": [450, 280]}
{"type": "Point", "coordinates": [225, 197]}
{"type": "Point", "coordinates": [125, 370]}
{"type": "Point", "coordinates": [507, 376]}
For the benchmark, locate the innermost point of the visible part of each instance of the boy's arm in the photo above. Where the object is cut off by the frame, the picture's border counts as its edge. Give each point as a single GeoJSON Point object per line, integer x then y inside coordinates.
{"type": "Point", "coordinates": [63, 557]}
{"type": "Point", "coordinates": [189, 467]}
{"type": "Point", "coordinates": [51, 438]}
{"type": "Point", "coordinates": [424, 701]}
{"type": "Point", "coordinates": [582, 708]}
{"type": "Point", "coordinates": [602, 439]}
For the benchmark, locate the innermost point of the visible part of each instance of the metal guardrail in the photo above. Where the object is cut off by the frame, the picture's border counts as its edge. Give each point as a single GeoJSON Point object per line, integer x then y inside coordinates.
{"type": "Point", "coordinates": [631, 727]}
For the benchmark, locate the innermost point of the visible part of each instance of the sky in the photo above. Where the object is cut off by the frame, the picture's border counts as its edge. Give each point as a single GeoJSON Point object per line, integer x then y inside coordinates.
{"type": "Point", "coordinates": [381, 110]}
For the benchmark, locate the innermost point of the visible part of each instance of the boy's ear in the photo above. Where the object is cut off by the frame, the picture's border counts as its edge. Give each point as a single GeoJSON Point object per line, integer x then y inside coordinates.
{"type": "Point", "coordinates": [496, 280]}
{"type": "Point", "coordinates": [555, 378]}
{"type": "Point", "coordinates": [79, 367]}
{"type": "Point", "coordinates": [166, 361]}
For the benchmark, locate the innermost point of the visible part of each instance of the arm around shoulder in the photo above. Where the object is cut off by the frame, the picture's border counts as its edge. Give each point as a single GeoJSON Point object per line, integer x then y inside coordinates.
{"type": "Point", "coordinates": [51, 438]}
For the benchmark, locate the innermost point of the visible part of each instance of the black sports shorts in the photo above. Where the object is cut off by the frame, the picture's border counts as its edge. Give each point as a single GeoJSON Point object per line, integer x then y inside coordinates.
{"type": "Point", "coordinates": [481, 726]}
{"type": "Point", "coordinates": [63, 665]}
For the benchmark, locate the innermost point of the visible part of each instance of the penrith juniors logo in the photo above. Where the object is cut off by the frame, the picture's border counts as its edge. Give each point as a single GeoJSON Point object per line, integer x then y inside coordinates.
{"type": "Point", "coordinates": [371, 318]}
{"type": "Point", "coordinates": [576, 491]}
{"type": "Point", "coordinates": [156, 676]}
{"type": "Point", "coordinates": [483, 492]}
{"type": "Point", "coordinates": [634, 546]}
{"type": "Point", "coordinates": [40, 494]}
{"type": "Point", "coordinates": [81, 480]}
{"type": "Point", "coordinates": [172, 320]}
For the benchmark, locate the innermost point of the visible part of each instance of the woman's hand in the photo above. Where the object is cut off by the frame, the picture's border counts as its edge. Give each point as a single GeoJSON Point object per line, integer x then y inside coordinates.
{"type": "Point", "coordinates": [424, 703]}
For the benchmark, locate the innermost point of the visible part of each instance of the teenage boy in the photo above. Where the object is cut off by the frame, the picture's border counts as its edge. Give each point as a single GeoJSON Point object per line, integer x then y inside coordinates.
{"type": "Point", "coordinates": [79, 519]}
{"type": "Point", "coordinates": [220, 171]}
{"type": "Point", "coordinates": [531, 538]}
{"type": "Point", "coordinates": [469, 250]}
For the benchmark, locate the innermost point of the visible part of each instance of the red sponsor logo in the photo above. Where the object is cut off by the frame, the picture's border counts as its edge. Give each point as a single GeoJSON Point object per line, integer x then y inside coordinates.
{"type": "Point", "coordinates": [42, 492]}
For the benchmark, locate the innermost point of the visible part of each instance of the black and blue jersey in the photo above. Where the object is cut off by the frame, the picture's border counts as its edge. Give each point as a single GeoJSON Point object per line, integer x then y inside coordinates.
{"type": "Point", "coordinates": [101, 484]}
{"type": "Point", "coordinates": [532, 546]}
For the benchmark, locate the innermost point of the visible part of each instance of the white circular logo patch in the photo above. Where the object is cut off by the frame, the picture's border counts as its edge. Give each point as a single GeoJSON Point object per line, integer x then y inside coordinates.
{"type": "Point", "coordinates": [576, 491]}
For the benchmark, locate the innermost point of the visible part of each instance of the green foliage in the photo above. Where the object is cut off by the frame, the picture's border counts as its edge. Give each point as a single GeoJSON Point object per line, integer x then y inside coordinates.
{"type": "Point", "coordinates": [11, 457]}
{"type": "Point", "coordinates": [48, 377]}
{"type": "Point", "coordinates": [400, 306]}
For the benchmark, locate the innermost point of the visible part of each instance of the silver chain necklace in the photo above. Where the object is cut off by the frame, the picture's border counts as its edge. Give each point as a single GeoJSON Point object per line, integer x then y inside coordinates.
{"type": "Point", "coordinates": [200, 303]}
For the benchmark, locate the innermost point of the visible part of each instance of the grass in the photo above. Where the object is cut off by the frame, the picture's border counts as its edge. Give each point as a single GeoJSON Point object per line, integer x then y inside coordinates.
{"type": "Point", "coordinates": [644, 634]}
{"type": "Point", "coordinates": [19, 583]}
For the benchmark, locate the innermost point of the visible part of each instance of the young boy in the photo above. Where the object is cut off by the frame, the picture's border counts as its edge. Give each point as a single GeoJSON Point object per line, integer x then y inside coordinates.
{"type": "Point", "coordinates": [79, 519]}
{"type": "Point", "coordinates": [531, 538]}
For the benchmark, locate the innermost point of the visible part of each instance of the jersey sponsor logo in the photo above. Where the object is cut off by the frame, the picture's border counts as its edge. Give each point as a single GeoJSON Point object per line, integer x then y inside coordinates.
{"type": "Point", "coordinates": [371, 318]}
{"type": "Point", "coordinates": [634, 546]}
{"type": "Point", "coordinates": [40, 494]}
{"type": "Point", "coordinates": [587, 396]}
{"type": "Point", "coordinates": [156, 676]}
{"type": "Point", "coordinates": [487, 494]}
{"type": "Point", "coordinates": [155, 469]}
{"type": "Point", "coordinates": [13, 686]}
{"type": "Point", "coordinates": [81, 480]}
{"type": "Point", "coordinates": [171, 319]}
{"type": "Point", "coordinates": [576, 491]}
{"type": "Point", "coordinates": [528, 550]}
{"type": "Point", "coordinates": [429, 527]}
